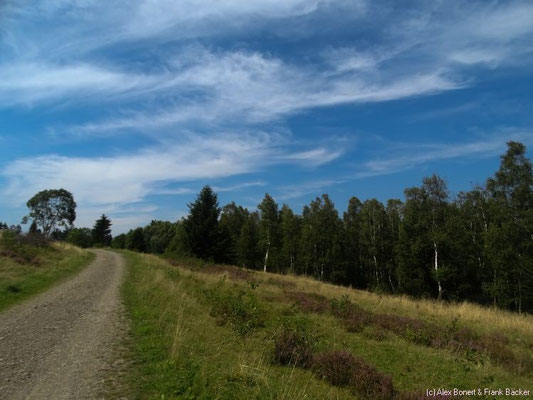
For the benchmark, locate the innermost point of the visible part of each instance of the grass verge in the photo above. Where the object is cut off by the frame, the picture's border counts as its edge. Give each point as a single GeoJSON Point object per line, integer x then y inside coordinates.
{"type": "Point", "coordinates": [20, 279]}
{"type": "Point", "coordinates": [218, 334]}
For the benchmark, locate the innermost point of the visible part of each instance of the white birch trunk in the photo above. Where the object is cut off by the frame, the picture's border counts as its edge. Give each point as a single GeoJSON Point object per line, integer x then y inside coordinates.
{"type": "Point", "coordinates": [437, 268]}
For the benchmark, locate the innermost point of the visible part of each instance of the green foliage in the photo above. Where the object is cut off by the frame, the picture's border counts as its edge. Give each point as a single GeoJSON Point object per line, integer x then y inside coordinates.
{"type": "Point", "coordinates": [119, 241]}
{"type": "Point", "coordinates": [477, 247]}
{"type": "Point", "coordinates": [23, 249]}
{"type": "Point", "coordinates": [135, 240]}
{"type": "Point", "coordinates": [201, 226]}
{"type": "Point", "coordinates": [52, 208]}
{"type": "Point", "coordinates": [81, 237]}
{"type": "Point", "coordinates": [102, 231]}
{"type": "Point", "coordinates": [321, 240]}
{"type": "Point", "coordinates": [269, 232]}
{"type": "Point", "coordinates": [158, 235]}
{"type": "Point", "coordinates": [238, 308]}
{"type": "Point", "coordinates": [248, 253]}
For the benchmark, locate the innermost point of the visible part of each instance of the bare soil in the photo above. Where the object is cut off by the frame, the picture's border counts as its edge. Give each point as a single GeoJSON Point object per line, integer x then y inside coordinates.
{"type": "Point", "coordinates": [65, 343]}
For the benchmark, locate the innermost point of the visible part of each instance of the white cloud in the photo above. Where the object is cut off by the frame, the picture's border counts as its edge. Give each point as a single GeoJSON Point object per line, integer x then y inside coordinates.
{"type": "Point", "coordinates": [124, 179]}
{"type": "Point", "coordinates": [417, 154]}
{"type": "Point", "coordinates": [239, 186]}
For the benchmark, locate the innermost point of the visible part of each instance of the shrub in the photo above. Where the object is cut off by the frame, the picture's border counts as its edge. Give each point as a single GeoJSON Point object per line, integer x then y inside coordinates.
{"type": "Point", "coordinates": [340, 368]}
{"type": "Point", "coordinates": [335, 366]}
{"type": "Point", "coordinates": [369, 383]}
{"type": "Point", "coordinates": [22, 248]}
{"type": "Point", "coordinates": [293, 346]}
{"type": "Point", "coordinates": [239, 308]}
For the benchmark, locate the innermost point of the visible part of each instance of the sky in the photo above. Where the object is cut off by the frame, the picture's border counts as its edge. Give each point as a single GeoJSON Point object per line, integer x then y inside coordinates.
{"type": "Point", "coordinates": [135, 105]}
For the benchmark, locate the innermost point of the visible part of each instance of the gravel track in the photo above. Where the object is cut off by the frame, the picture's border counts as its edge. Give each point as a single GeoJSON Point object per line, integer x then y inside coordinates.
{"type": "Point", "coordinates": [62, 344]}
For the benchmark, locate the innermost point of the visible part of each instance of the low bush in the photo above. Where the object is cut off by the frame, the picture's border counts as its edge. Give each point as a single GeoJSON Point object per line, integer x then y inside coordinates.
{"type": "Point", "coordinates": [240, 308]}
{"type": "Point", "coordinates": [22, 248]}
{"type": "Point", "coordinates": [340, 368]}
{"type": "Point", "coordinates": [334, 366]}
{"type": "Point", "coordinates": [293, 346]}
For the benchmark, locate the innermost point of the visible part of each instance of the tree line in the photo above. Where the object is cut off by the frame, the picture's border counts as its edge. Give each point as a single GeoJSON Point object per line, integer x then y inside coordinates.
{"type": "Point", "coordinates": [476, 246]}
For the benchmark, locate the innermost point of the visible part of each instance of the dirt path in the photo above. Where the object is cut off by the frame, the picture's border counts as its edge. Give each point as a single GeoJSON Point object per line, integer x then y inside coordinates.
{"type": "Point", "coordinates": [62, 344]}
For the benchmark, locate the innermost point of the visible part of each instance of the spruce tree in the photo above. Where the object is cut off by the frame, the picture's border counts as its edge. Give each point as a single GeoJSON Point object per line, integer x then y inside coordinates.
{"type": "Point", "coordinates": [102, 231]}
{"type": "Point", "coordinates": [202, 226]}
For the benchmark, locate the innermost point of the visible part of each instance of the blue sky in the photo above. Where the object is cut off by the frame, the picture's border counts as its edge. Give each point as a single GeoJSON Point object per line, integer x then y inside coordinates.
{"type": "Point", "coordinates": [133, 106]}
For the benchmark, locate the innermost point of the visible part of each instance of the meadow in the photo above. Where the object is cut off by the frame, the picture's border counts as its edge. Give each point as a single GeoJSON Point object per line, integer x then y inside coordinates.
{"type": "Point", "coordinates": [212, 331]}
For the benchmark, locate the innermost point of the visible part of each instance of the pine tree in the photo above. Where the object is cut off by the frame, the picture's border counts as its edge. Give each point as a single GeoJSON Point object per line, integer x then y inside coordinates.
{"type": "Point", "coordinates": [102, 231]}
{"type": "Point", "coordinates": [202, 226]}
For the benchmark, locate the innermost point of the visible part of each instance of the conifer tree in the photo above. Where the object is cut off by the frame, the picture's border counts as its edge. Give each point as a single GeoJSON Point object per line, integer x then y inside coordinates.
{"type": "Point", "coordinates": [202, 227]}
{"type": "Point", "coordinates": [102, 231]}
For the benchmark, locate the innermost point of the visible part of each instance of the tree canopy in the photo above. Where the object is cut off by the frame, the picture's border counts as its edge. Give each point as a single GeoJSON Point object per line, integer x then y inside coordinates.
{"type": "Point", "coordinates": [51, 209]}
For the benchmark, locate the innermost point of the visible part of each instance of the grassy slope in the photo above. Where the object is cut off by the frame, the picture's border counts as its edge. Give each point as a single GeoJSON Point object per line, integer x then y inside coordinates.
{"type": "Point", "coordinates": [181, 352]}
{"type": "Point", "coordinates": [19, 281]}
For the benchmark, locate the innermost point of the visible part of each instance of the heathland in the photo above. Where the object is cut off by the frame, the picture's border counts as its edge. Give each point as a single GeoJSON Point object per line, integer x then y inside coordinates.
{"type": "Point", "coordinates": [214, 331]}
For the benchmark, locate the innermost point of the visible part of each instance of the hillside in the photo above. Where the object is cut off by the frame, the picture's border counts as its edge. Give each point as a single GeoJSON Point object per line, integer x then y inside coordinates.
{"type": "Point", "coordinates": [31, 265]}
{"type": "Point", "coordinates": [228, 333]}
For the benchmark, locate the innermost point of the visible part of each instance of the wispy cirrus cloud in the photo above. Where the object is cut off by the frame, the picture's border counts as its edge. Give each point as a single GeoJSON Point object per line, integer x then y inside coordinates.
{"type": "Point", "coordinates": [415, 154]}
{"type": "Point", "coordinates": [126, 179]}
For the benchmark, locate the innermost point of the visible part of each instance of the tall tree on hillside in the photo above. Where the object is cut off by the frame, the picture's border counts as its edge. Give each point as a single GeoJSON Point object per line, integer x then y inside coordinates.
{"type": "Point", "coordinates": [51, 209]}
{"type": "Point", "coordinates": [201, 225]}
{"type": "Point", "coordinates": [512, 191]}
{"type": "Point", "coordinates": [394, 213]}
{"type": "Point", "coordinates": [135, 240]}
{"type": "Point", "coordinates": [476, 215]}
{"type": "Point", "coordinates": [157, 236]}
{"type": "Point", "coordinates": [179, 244]}
{"type": "Point", "coordinates": [423, 238]}
{"type": "Point", "coordinates": [321, 240]}
{"type": "Point", "coordinates": [375, 243]}
{"type": "Point", "coordinates": [436, 192]}
{"type": "Point", "coordinates": [247, 246]}
{"type": "Point", "coordinates": [269, 231]}
{"type": "Point", "coordinates": [232, 220]}
{"type": "Point", "coordinates": [102, 231]}
{"type": "Point", "coordinates": [81, 237]}
{"type": "Point", "coordinates": [290, 234]}
{"type": "Point", "coordinates": [352, 244]}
